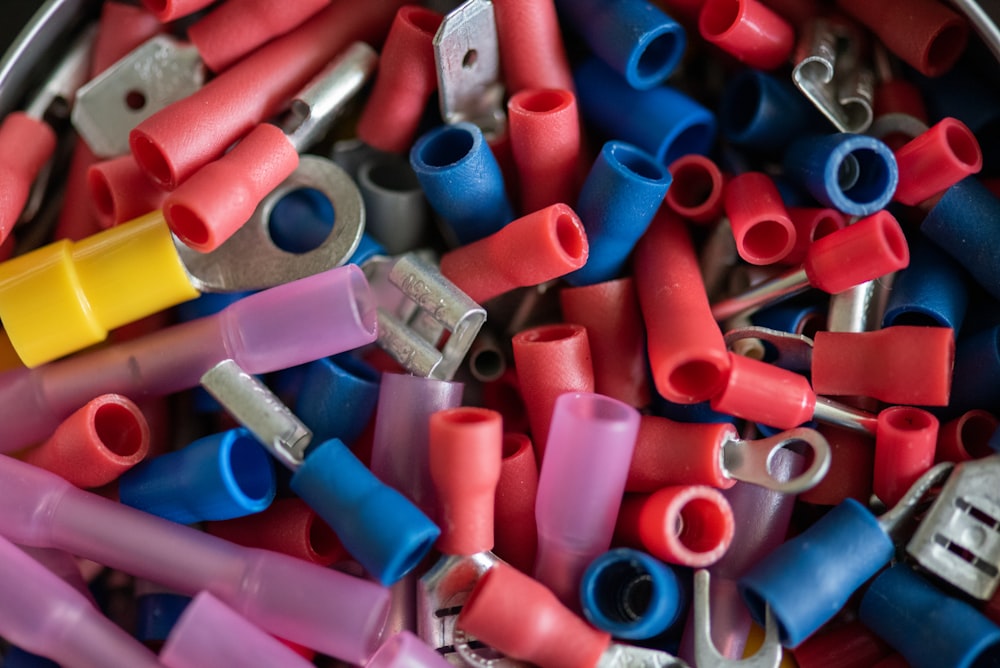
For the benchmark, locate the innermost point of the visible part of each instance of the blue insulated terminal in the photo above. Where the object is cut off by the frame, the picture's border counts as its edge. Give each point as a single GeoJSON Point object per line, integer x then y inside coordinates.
{"type": "Point", "coordinates": [930, 292]}
{"type": "Point", "coordinates": [975, 373]}
{"type": "Point", "coordinates": [367, 248]}
{"type": "Point", "coordinates": [634, 37]}
{"type": "Point", "coordinates": [337, 397]}
{"type": "Point", "coordinates": [964, 224]}
{"type": "Point", "coordinates": [661, 121]}
{"type": "Point", "coordinates": [763, 113]}
{"type": "Point", "coordinates": [156, 613]}
{"type": "Point", "coordinates": [462, 181]}
{"type": "Point", "coordinates": [809, 578]}
{"type": "Point", "coordinates": [855, 174]}
{"type": "Point", "coordinates": [217, 477]}
{"type": "Point", "coordinates": [630, 594]}
{"type": "Point", "coordinates": [377, 525]}
{"type": "Point", "coordinates": [929, 628]}
{"type": "Point", "coordinates": [617, 202]}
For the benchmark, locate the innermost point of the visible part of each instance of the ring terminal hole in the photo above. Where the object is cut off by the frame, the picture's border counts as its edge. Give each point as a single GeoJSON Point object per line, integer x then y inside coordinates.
{"type": "Point", "coordinates": [301, 220]}
{"type": "Point", "coordinates": [135, 100]}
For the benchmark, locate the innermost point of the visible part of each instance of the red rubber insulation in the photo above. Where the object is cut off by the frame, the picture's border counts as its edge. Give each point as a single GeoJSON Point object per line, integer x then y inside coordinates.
{"type": "Point", "coordinates": [173, 143]}
{"type": "Point", "coordinates": [811, 224]}
{"type": "Point", "coordinates": [765, 393]}
{"type": "Point", "coordinates": [687, 354]}
{"type": "Point", "coordinates": [936, 160]}
{"type": "Point", "coordinates": [748, 30]}
{"type": "Point", "coordinates": [679, 453]}
{"type": "Point", "coordinates": [168, 10]}
{"type": "Point", "coordinates": [514, 529]}
{"type": "Point", "coordinates": [696, 191]}
{"type": "Point", "coordinates": [96, 444]}
{"type": "Point", "coordinates": [531, 46]}
{"type": "Point", "coordinates": [872, 247]}
{"type": "Point", "coordinates": [966, 437]}
{"type": "Point", "coordinates": [904, 449]}
{"type": "Point", "coordinates": [233, 29]}
{"type": "Point", "coordinates": [120, 191]}
{"type": "Point", "coordinates": [610, 312]}
{"type": "Point", "coordinates": [220, 197]}
{"type": "Point", "coordinates": [406, 79]}
{"type": "Point", "coordinates": [535, 248]}
{"type": "Point", "coordinates": [849, 645]}
{"type": "Point", "coordinates": [763, 231]}
{"type": "Point", "coordinates": [26, 144]}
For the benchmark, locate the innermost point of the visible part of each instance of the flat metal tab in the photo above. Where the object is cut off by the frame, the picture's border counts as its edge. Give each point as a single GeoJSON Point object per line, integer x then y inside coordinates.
{"type": "Point", "coordinates": [467, 55]}
{"type": "Point", "coordinates": [155, 74]}
{"type": "Point", "coordinates": [250, 260]}
{"type": "Point", "coordinates": [750, 460]}
{"type": "Point", "coordinates": [633, 656]}
{"type": "Point", "coordinates": [705, 652]}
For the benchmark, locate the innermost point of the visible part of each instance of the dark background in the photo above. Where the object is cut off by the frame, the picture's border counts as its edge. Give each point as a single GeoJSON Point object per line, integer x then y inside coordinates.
{"type": "Point", "coordinates": [14, 15]}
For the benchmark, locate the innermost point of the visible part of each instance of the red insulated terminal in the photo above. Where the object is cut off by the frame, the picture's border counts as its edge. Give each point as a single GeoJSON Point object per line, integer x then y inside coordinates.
{"type": "Point", "coordinates": [213, 204]}
{"type": "Point", "coordinates": [852, 459]}
{"type": "Point", "coordinates": [873, 246]}
{"type": "Point", "coordinates": [122, 28]}
{"type": "Point", "coordinates": [96, 444]}
{"type": "Point", "coordinates": [811, 224]}
{"type": "Point", "coordinates": [904, 450]}
{"type": "Point", "coordinates": [288, 526]}
{"type": "Point", "coordinates": [696, 191]}
{"type": "Point", "coordinates": [966, 437]}
{"type": "Point", "coordinates": [901, 364]}
{"type": "Point", "coordinates": [77, 218]}
{"type": "Point", "coordinates": [610, 312]}
{"type": "Point", "coordinates": [234, 29]}
{"type": "Point", "coordinates": [687, 354]}
{"type": "Point", "coordinates": [520, 617]}
{"type": "Point", "coordinates": [846, 645]}
{"type": "Point", "coordinates": [926, 34]}
{"type": "Point", "coordinates": [465, 450]}
{"type": "Point", "coordinates": [406, 79]}
{"type": "Point", "coordinates": [748, 30]}
{"type": "Point", "coordinates": [168, 10]}
{"type": "Point", "coordinates": [765, 393]}
{"type": "Point", "coordinates": [176, 141]}
{"type": "Point", "coordinates": [679, 453]}
{"type": "Point", "coordinates": [514, 529]}
{"type": "Point", "coordinates": [544, 129]}
{"type": "Point", "coordinates": [550, 360]}
{"type": "Point", "coordinates": [691, 525]}
{"type": "Point", "coordinates": [936, 160]}
{"type": "Point", "coordinates": [535, 248]}
{"type": "Point", "coordinates": [531, 45]}
{"type": "Point", "coordinates": [120, 191]}
{"type": "Point", "coordinates": [26, 144]}
{"type": "Point", "coordinates": [763, 231]}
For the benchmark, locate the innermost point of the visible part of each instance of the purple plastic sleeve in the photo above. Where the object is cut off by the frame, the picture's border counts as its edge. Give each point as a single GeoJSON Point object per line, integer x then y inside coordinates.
{"type": "Point", "coordinates": [402, 431]}
{"type": "Point", "coordinates": [405, 650]}
{"type": "Point", "coordinates": [45, 615]}
{"type": "Point", "coordinates": [329, 611]}
{"type": "Point", "coordinates": [284, 326]}
{"type": "Point", "coordinates": [580, 486]}
{"type": "Point", "coordinates": [210, 634]}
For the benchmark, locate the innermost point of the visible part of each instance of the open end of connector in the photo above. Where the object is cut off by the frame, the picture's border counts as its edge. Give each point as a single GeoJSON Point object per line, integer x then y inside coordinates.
{"type": "Point", "coordinates": [486, 364]}
{"type": "Point", "coordinates": [946, 48]}
{"type": "Point", "coordinates": [101, 194]}
{"type": "Point", "coordinates": [893, 241]}
{"type": "Point", "coordinates": [543, 101]}
{"type": "Point", "coordinates": [975, 430]}
{"type": "Point", "coordinates": [697, 380]}
{"type": "Point", "coordinates": [250, 471]}
{"type": "Point", "coordinates": [863, 175]}
{"type": "Point", "coordinates": [964, 146]}
{"type": "Point", "coordinates": [571, 237]}
{"type": "Point", "coordinates": [424, 20]}
{"type": "Point", "coordinates": [718, 17]}
{"type": "Point", "coordinates": [121, 430]}
{"type": "Point", "coordinates": [447, 147]}
{"type": "Point", "coordinates": [694, 186]}
{"type": "Point", "coordinates": [323, 544]}
{"type": "Point", "coordinates": [551, 333]}
{"type": "Point", "coordinates": [702, 526]}
{"type": "Point", "coordinates": [657, 58]}
{"type": "Point", "coordinates": [188, 226]}
{"type": "Point", "coordinates": [152, 160]}
{"type": "Point", "coordinates": [635, 161]}
{"type": "Point", "coordinates": [766, 241]}
{"type": "Point", "coordinates": [624, 590]}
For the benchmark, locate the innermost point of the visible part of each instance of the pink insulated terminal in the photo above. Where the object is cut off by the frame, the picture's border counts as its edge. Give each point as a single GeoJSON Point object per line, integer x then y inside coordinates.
{"type": "Point", "coordinates": [936, 160]}
{"type": "Point", "coordinates": [763, 231]}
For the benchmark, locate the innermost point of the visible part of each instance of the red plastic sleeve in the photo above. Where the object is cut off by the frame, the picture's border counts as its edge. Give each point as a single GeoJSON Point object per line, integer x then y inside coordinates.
{"type": "Point", "coordinates": [936, 160]}
{"type": "Point", "coordinates": [966, 437]}
{"type": "Point", "coordinates": [531, 46]}
{"type": "Point", "coordinates": [765, 393]}
{"type": "Point", "coordinates": [763, 231]}
{"type": "Point", "coordinates": [26, 144]}
{"type": "Point", "coordinates": [872, 247]}
{"type": "Point", "coordinates": [120, 191]}
{"type": "Point", "coordinates": [168, 10]}
{"type": "Point", "coordinates": [850, 644]}
{"type": "Point", "coordinates": [678, 453]}
{"type": "Point", "coordinates": [811, 224]}
{"type": "Point", "coordinates": [748, 30]}
{"type": "Point", "coordinates": [515, 532]}
{"type": "Point", "coordinates": [904, 450]}
{"type": "Point", "coordinates": [122, 28]}
{"type": "Point", "coordinates": [696, 191]}
{"type": "Point", "coordinates": [77, 218]}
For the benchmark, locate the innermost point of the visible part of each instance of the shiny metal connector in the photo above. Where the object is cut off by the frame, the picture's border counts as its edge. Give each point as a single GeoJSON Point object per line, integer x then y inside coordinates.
{"type": "Point", "coordinates": [830, 73]}
{"type": "Point", "coordinates": [750, 460]}
{"type": "Point", "coordinates": [255, 407]}
{"type": "Point", "coordinates": [632, 656]}
{"type": "Point", "coordinates": [413, 318]}
{"type": "Point", "coordinates": [895, 521]}
{"type": "Point", "coordinates": [155, 74]}
{"type": "Point", "coordinates": [959, 539]}
{"type": "Point", "coordinates": [792, 351]}
{"type": "Point", "coordinates": [707, 655]}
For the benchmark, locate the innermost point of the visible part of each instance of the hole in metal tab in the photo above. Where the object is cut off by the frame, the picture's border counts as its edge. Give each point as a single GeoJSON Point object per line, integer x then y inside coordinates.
{"type": "Point", "coordinates": [135, 100]}
{"type": "Point", "coordinates": [470, 58]}
{"type": "Point", "coordinates": [301, 220]}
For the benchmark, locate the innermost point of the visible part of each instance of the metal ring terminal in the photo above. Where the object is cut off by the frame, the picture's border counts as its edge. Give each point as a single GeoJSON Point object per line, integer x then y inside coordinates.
{"type": "Point", "coordinates": [750, 460]}
{"type": "Point", "coordinates": [793, 351]}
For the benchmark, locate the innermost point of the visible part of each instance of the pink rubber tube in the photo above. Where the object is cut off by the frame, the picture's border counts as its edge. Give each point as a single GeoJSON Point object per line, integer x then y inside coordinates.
{"type": "Point", "coordinates": [811, 224]}
{"type": "Point", "coordinates": [209, 634]}
{"type": "Point", "coordinates": [966, 437]}
{"type": "Point", "coordinates": [748, 30]}
{"type": "Point", "coordinates": [687, 355]}
{"type": "Point", "coordinates": [610, 312]}
{"type": "Point", "coordinates": [26, 144]}
{"type": "Point", "coordinates": [550, 360]}
{"type": "Point", "coordinates": [283, 595]}
{"type": "Point", "coordinates": [926, 34]}
{"type": "Point", "coordinates": [696, 192]}
{"type": "Point", "coordinates": [406, 79]}
{"type": "Point", "coordinates": [765, 393]}
{"type": "Point", "coordinates": [514, 529]}
{"type": "Point", "coordinates": [96, 444]}
{"type": "Point", "coordinates": [535, 248]}
{"type": "Point", "coordinates": [691, 525]}
{"type": "Point", "coordinates": [168, 10]}
{"type": "Point", "coordinates": [531, 45]}
{"type": "Point", "coordinates": [220, 197]}
{"type": "Point", "coordinates": [234, 29]}
{"type": "Point", "coordinates": [173, 143]}
{"type": "Point", "coordinates": [936, 160]}
{"type": "Point", "coordinates": [580, 486]}
{"type": "Point", "coordinates": [763, 231]}
{"type": "Point", "coordinates": [904, 450]}
{"type": "Point", "coordinates": [544, 129]}
{"type": "Point", "coordinates": [120, 191]}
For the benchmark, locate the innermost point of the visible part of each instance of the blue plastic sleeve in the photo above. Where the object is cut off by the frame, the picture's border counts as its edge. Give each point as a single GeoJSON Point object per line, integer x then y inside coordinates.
{"type": "Point", "coordinates": [763, 113]}
{"type": "Point", "coordinates": [809, 578]}
{"type": "Point", "coordinates": [796, 317]}
{"type": "Point", "coordinates": [977, 368]}
{"type": "Point", "coordinates": [217, 477]}
{"type": "Point", "coordinates": [622, 193]}
{"type": "Point", "coordinates": [661, 121]}
{"type": "Point", "coordinates": [639, 41]}
{"type": "Point", "coordinates": [20, 658]}
{"type": "Point", "coordinates": [462, 181]}
{"type": "Point", "coordinates": [929, 628]}
{"type": "Point", "coordinates": [931, 291]}
{"type": "Point", "coordinates": [337, 398]}
{"type": "Point", "coordinates": [964, 224]}
{"type": "Point", "coordinates": [855, 174]}
{"type": "Point", "coordinates": [377, 525]}
{"type": "Point", "coordinates": [156, 614]}
{"type": "Point", "coordinates": [631, 595]}
{"type": "Point", "coordinates": [367, 248]}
